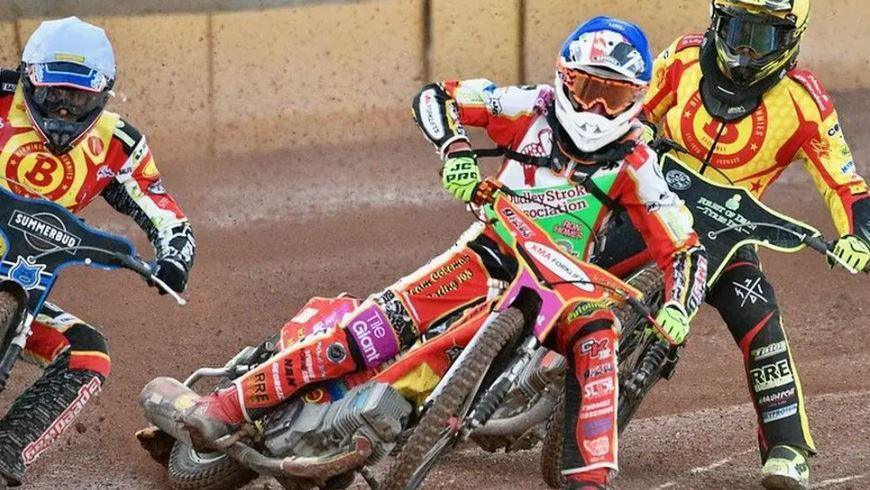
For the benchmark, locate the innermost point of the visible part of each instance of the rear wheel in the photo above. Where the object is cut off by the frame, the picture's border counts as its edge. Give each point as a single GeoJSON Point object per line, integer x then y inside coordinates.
{"type": "Point", "coordinates": [190, 469]}
{"type": "Point", "coordinates": [438, 428]}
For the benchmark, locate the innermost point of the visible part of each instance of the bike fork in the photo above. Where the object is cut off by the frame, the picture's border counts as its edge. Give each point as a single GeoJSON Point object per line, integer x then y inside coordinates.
{"type": "Point", "coordinates": [495, 395]}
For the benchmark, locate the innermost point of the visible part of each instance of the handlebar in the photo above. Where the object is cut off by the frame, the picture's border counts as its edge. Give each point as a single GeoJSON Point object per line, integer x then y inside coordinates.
{"type": "Point", "coordinates": [819, 244]}
{"type": "Point", "coordinates": [129, 262]}
{"type": "Point", "coordinates": [142, 268]}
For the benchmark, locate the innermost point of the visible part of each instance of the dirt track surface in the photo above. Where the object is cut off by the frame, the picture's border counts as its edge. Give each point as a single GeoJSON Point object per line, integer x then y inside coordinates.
{"type": "Point", "coordinates": [272, 230]}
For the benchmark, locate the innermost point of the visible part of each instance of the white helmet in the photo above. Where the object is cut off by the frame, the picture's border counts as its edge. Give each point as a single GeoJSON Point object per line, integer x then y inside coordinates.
{"type": "Point", "coordinates": [603, 71]}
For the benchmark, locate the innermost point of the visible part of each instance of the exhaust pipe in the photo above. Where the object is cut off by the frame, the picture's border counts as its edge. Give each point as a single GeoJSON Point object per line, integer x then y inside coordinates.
{"type": "Point", "coordinates": [164, 400]}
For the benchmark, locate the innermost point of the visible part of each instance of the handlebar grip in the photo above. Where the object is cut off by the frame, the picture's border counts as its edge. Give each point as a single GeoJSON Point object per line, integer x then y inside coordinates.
{"type": "Point", "coordinates": [818, 243]}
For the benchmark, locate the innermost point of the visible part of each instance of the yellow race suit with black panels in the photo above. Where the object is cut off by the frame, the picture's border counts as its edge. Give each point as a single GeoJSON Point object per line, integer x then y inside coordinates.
{"type": "Point", "coordinates": [794, 120]}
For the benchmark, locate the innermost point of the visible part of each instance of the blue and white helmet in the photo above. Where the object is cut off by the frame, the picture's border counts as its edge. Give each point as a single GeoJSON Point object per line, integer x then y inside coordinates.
{"type": "Point", "coordinates": [69, 70]}
{"type": "Point", "coordinates": [604, 69]}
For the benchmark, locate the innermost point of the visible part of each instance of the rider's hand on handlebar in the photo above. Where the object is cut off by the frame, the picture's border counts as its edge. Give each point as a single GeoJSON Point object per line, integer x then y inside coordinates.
{"type": "Point", "coordinates": [172, 273]}
{"type": "Point", "coordinates": [852, 250]}
{"type": "Point", "coordinates": [460, 174]}
{"type": "Point", "coordinates": [649, 132]}
{"type": "Point", "coordinates": [674, 323]}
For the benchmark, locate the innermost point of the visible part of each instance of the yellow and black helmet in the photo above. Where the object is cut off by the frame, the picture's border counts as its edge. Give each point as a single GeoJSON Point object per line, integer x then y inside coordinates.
{"type": "Point", "coordinates": [758, 38]}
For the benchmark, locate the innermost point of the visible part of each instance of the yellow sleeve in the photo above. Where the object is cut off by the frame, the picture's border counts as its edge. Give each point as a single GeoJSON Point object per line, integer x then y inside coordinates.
{"type": "Point", "coordinates": [829, 161]}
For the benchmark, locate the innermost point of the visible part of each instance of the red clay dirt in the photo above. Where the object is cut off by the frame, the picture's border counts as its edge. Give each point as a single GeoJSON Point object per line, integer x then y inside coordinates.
{"type": "Point", "coordinates": [273, 230]}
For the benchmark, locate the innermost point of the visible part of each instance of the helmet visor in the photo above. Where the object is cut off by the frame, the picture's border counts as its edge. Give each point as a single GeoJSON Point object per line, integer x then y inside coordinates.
{"type": "Point", "coordinates": [757, 37]}
{"type": "Point", "coordinates": [66, 103]}
{"type": "Point", "coordinates": [587, 90]}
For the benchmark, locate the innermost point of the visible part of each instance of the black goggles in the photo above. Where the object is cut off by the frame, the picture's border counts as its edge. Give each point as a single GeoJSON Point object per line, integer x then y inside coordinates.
{"type": "Point", "coordinates": [759, 36]}
{"type": "Point", "coordinates": [61, 101]}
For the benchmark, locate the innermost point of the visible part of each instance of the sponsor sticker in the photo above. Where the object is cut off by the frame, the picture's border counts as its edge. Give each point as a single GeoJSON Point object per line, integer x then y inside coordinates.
{"type": "Point", "coordinates": [598, 371]}
{"type": "Point", "coordinates": [598, 447]}
{"type": "Point", "coordinates": [45, 441]}
{"type": "Point", "coordinates": [769, 350]}
{"type": "Point", "coordinates": [779, 413]}
{"type": "Point", "coordinates": [778, 398]}
{"type": "Point", "coordinates": [749, 291]}
{"type": "Point", "coordinates": [596, 349]}
{"type": "Point", "coordinates": [598, 389]}
{"type": "Point", "coordinates": [44, 231]}
{"type": "Point", "coordinates": [559, 264]}
{"type": "Point", "coordinates": [771, 376]}
{"type": "Point", "coordinates": [374, 336]}
{"type": "Point", "coordinates": [594, 428]}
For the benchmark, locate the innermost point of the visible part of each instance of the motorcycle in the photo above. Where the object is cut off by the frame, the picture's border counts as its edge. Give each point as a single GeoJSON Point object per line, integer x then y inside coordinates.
{"type": "Point", "coordinates": [727, 218]}
{"type": "Point", "coordinates": [306, 442]}
{"type": "Point", "coordinates": [38, 239]}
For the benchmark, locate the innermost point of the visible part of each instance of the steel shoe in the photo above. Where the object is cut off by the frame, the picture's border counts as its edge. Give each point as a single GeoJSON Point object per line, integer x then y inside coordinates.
{"type": "Point", "coordinates": [786, 468]}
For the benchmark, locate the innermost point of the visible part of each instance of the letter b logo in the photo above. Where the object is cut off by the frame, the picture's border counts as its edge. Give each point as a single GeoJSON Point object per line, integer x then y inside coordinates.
{"type": "Point", "coordinates": [41, 173]}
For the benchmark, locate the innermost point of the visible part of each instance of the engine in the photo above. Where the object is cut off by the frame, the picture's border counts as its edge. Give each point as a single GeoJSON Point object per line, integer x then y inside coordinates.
{"type": "Point", "coordinates": [373, 410]}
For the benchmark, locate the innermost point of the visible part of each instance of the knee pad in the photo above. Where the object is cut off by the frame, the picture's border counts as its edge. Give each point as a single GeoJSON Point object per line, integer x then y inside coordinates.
{"type": "Point", "coordinates": [88, 350]}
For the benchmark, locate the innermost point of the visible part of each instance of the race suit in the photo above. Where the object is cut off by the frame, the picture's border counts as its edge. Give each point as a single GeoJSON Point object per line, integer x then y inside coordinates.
{"type": "Point", "coordinates": [391, 321]}
{"type": "Point", "coordinates": [112, 160]}
{"type": "Point", "coordinates": [795, 120]}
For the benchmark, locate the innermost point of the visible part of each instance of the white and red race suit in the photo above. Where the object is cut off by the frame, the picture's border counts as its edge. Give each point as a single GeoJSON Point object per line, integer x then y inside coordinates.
{"type": "Point", "coordinates": [375, 331]}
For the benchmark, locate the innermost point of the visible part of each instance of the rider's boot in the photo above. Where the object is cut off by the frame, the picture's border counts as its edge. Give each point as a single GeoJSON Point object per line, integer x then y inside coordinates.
{"type": "Point", "coordinates": [590, 480]}
{"type": "Point", "coordinates": [42, 413]}
{"type": "Point", "coordinates": [786, 468]}
{"type": "Point", "coordinates": [326, 356]}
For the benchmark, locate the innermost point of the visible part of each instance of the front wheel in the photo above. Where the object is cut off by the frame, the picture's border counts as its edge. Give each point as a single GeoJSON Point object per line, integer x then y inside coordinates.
{"type": "Point", "coordinates": [439, 426]}
{"type": "Point", "coordinates": [190, 469]}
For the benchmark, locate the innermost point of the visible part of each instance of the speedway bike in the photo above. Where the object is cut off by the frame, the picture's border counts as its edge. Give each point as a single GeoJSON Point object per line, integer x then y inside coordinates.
{"type": "Point", "coordinates": [726, 218]}
{"type": "Point", "coordinates": [306, 444]}
{"type": "Point", "coordinates": [38, 239]}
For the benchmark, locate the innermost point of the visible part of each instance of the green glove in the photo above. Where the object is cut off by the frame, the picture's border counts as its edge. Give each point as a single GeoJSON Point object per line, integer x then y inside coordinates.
{"type": "Point", "coordinates": [649, 132]}
{"type": "Point", "coordinates": [854, 251]}
{"type": "Point", "coordinates": [460, 175]}
{"type": "Point", "coordinates": [674, 323]}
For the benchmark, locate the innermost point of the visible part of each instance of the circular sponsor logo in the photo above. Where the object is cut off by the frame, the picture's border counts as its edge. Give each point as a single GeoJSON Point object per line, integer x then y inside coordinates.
{"type": "Point", "coordinates": [336, 353]}
{"type": "Point", "coordinates": [736, 143]}
{"type": "Point", "coordinates": [314, 396]}
{"type": "Point", "coordinates": [34, 171]}
{"type": "Point", "coordinates": [678, 180]}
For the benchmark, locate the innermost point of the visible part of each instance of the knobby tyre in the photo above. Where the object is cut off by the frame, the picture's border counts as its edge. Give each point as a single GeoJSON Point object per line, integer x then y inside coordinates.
{"type": "Point", "coordinates": [8, 313]}
{"type": "Point", "coordinates": [551, 448]}
{"type": "Point", "coordinates": [192, 470]}
{"type": "Point", "coordinates": [433, 431]}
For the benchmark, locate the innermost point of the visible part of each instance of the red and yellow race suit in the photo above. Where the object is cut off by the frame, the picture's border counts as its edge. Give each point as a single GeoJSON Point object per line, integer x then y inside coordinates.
{"type": "Point", "coordinates": [795, 120]}
{"type": "Point", "coordinates": [113, 161]}
{"type": "Point", "coordinates": [391, 321]}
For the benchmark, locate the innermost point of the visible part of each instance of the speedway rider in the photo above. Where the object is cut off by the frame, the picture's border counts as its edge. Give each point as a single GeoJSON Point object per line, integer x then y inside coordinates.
{"type": "Point", "coordinates": [735, 99]}
{"type": "Point", "coordinates": [586, 127]}
{"type": "Point", "coordinates": [58, 142]}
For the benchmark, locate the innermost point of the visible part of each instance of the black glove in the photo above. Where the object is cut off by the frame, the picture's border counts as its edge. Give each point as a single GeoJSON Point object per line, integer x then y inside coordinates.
{"type": "Point", "coordinates": [172, 273]}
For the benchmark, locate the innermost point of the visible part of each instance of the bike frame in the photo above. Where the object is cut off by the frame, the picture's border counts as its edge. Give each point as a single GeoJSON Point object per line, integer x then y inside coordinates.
{"type": "Point", "coordinates": [555, 278]}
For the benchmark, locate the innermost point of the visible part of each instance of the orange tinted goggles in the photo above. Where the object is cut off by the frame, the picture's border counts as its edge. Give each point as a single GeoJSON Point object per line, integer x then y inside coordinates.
{"type": "Point", "coordinates": [586, 90]}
